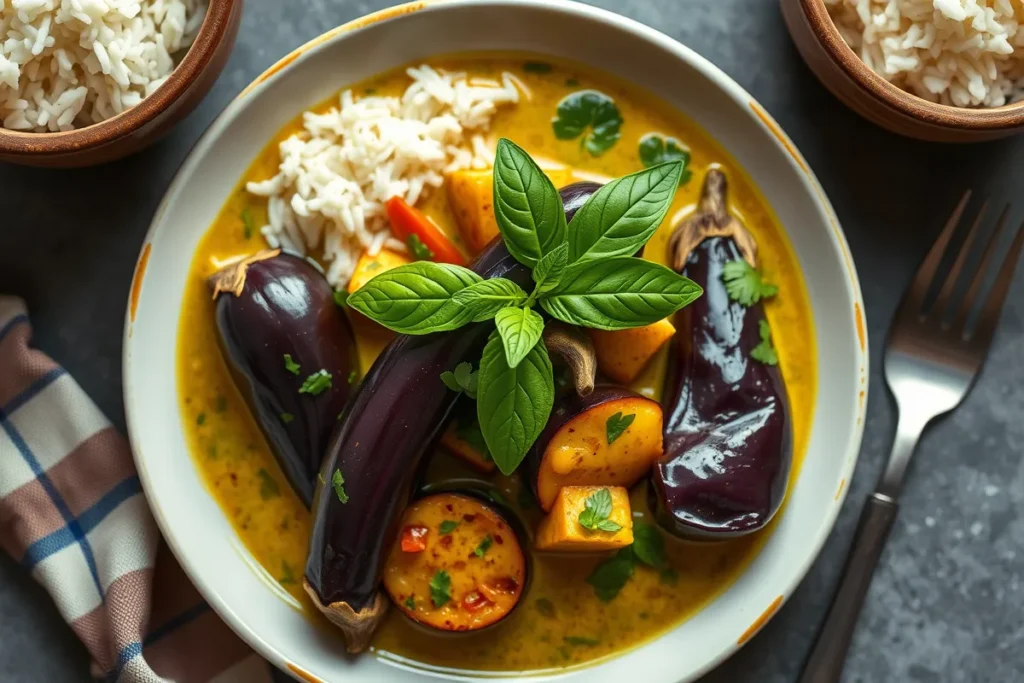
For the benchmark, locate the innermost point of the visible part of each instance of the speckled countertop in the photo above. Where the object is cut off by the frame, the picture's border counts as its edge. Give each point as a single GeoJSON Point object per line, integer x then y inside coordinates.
{"type": "Point", "coordinates": [946, 605]}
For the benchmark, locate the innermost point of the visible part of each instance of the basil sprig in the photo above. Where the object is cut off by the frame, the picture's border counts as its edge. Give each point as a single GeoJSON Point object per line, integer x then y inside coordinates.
{"type": "Point", "coordinates": [583, 274]}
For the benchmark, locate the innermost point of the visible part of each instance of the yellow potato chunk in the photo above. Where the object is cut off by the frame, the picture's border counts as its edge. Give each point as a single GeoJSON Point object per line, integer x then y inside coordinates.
{"type": "Point", "coordinates": [579, 453]}
{"type": "Point", "coordinates": [623, 354]}
{"type": "Point", "coordinates": [471, 198]}
{"type": "Point", "coordinates": [369, 267]}
{"type": "Point", "coordinates": [561, 528]}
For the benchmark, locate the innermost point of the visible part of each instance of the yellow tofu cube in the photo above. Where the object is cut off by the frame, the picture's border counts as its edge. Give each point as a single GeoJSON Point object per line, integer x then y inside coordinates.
{"type": "Point", "coordinates": [623, 354]}
{"type": "Point", "coordinates": [561, 528]}
{"type": "Point", "coordinates": [369, 267]}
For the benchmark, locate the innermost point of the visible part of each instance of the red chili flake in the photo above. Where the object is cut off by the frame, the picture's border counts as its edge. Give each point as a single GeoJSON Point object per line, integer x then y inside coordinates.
{"type": "Point", "coordinates": [468, 518]}
{"type": "Point", "coordinates": [414, 538]}
{"type": "Point", "coordinates": [446, 541]}
{"type": "Point", "coordinates": [498, 539]}
{"type": "Point", "coordinates": [475, 601]}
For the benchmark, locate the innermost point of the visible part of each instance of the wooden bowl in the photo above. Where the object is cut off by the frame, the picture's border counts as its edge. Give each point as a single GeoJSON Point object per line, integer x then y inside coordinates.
{"type": "Point", "coordinates": [842, 71]}
{"type": "Point", "coordinates": [146, 122]}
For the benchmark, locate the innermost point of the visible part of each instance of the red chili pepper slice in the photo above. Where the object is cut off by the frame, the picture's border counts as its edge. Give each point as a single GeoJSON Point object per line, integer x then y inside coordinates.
{"type": "Point", "coordinates": [414, 538]}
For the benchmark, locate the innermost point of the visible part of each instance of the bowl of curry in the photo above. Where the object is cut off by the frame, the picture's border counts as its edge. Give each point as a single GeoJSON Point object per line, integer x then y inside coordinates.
{"type": "Point", "coordinates": [500, 352]}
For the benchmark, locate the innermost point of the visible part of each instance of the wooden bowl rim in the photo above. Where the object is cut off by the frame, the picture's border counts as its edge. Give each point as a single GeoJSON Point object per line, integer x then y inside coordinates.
{"type": "Point", "coordinates": [211, 33]}
{"type": "Point", "coordinates": [990, 118]}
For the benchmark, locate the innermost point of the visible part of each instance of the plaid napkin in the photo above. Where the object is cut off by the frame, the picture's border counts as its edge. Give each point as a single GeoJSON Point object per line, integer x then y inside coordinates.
{"type": "Point", "coordinates": [73, 514]}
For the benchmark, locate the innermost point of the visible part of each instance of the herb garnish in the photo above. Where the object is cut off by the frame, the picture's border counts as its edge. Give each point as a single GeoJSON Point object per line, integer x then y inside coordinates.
{"type": "Point", "coordinates": [247, 223]}
{"type": "Point", "coordinates": [410, 604]}
{"type": "Point", "coordinates": [287, 417]}
{"type": "Point", "coordinates": [648, 547]}
{"type": "Point", "coordinates": [596, 509]}
{"type": "Point", "coordinates": [352, 377]}
{"type": "Point", "coordinates": [657, 149]}
{"type": "Point", "coordinates": [419, 251]}
{"type": "Point", "coordinates": [591, 114]}
{"type": "Point", "coordinates": [290, 365]}
{"type": "Point", "coordinates": [764, 351]}
{"type": "Point", "coordinates": [745, 284]}
{"type": "Point", "coordinates": [268, 486]}
{"type": "Point", "coordinates": [616, 425]}
{"type": "Point", "coordinates": [581, 641]}
{"type": "Point", "coordinates": [463, 379]}
{"type": "Point", "coordinates": [585, 276]}
{"type": "Point", "coordinates": [338, 482]}
{"type": "Point", "coordinates": [440, 587]}
{"type": "Point", "coordinates": [537, 67]}
{"type": "Point", "coordinates": [484, 546]}
{"type": "Point", "coordinates": [448, 526]}
{"type": "Point", "coordinates": [317, 383]}
{"type": "Point", "coordinates": [201, 419]}
{"type": "Point", "coordinates": [287, 577]}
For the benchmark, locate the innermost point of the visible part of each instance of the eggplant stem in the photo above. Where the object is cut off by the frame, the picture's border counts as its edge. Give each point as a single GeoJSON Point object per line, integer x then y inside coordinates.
{"type": "Point", "coordinates": [356, 627]}
{"type": "Point", "coordinates": [231, 278]}
{"type": "Point", "coordinates": [577, 351]}
{"type": "Point", "coordinates": [712, 219]}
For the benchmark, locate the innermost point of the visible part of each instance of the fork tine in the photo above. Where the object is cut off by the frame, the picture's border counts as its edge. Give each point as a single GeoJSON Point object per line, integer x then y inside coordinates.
{"type": "Point", "coordinates": [926, 272]}
{"type": "Point", "coordinates": [982, 270]}
{"type": "Point", "coordinates": [942, 301]}
{"type": "Point", "coordinates": [989, 317]}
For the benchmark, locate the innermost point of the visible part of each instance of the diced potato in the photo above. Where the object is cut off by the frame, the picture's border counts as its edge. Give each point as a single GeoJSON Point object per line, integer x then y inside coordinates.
{"type": "Point", "coordinates": [457, 564]}
{"type": "Point", "coordinates": [623, 354]}
{"type": "Point", "coordinates": [369, 267]}
{"type": "Point", "coordinates": [578, 454]}
{"type": "Point", "coordinates": [561, 528]}
{"type": "Point", "coordinates": [455, 440]}
{"type": "Point", "coordinates": [471, 197]}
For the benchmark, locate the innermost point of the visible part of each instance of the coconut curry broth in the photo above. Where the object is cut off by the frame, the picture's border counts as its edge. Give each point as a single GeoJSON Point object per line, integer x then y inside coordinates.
{"type": "Point", "coordinates": [560, 621]}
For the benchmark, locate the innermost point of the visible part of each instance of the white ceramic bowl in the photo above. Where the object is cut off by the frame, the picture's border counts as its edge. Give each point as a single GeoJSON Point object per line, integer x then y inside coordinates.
{"type": "Point", "coordinates": [190, 519]}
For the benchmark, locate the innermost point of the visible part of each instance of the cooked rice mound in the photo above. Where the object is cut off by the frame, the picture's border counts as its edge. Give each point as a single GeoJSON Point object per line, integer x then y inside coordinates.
{"type": "Point", "coordinates": [336, 175]}
{"type": "Point", "coordinates": [70, 63]}
{"type": "Point", "coordinates": [966, 53]}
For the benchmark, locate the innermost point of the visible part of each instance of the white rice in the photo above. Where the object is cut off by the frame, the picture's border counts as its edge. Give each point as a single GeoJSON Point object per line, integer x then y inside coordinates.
{"type": "Point", "coordinates": [967, 53]}
{"type": "Point", "coordinates": [336, 175]}
{"type": "Point", "coordinates": [71, 63]}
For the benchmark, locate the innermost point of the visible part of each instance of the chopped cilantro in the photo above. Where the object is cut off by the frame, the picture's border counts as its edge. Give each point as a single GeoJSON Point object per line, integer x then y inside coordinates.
{"type": "Point", "coordinates": [287, 417]}
{"type": "Point", "coordinates": [616, 425]}
{"type": "Point", "coordinates": [440, 588]}
{"type": "Point", "coordinates": [410, 603]}
{"type": "Point", "coordinates": [448, 526]}
{"type": "Point", "coordinates": [201, 419]}
{"type": "Point", "coordinates": [338, 482]}
{"type": "Point", "coordinates": [484, 546]}
{"type": "Point", "coordinates": [290, 365]}
{"type": "Point", "coordinates": [745, 284]}
{"type": "Point", "coordinates": [419, 251]}
{"type": "Point", "coordinates": [317, 383]}
{"type": "Point", "coordinates": [764, 351]}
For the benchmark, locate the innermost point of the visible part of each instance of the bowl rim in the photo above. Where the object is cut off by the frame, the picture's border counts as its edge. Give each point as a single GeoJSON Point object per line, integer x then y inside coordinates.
{"type": "Point", "coordinates": [1007, 116]}
{"type": "Point", "coordinates": [211, 32]}
{"type": "Point", "coordinates": [770, 127]}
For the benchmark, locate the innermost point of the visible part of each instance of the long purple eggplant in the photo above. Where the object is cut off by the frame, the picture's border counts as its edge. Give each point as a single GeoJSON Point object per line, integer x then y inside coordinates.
{"type": "Point", "coordinates": [397, 413]}
{"type": "Point", "coordinates": [278, 324]}
{"type": "Point", "coordinates": [728, 436]}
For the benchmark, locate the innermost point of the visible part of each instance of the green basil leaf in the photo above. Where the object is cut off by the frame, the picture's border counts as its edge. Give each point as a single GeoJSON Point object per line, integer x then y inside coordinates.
{"type": "Point", "coordinates": [657, 149]}
{"type": "Point", "coordinates": [619, 293]}
{"type": "Point", "coordinates": [620, 217]}
{"type": "Point", "coordinates": [610, 576]}
{"type": "Point", "coordinates": [548, 271]}
{"type": "Point", "coordinates": [483, 299]}
{"type": "Point", "coordinates": [416, 298]}
{"type": "Point", "coordinates": [513, 404]}
{"type": "Point", "coordinates": [593, 115]}
{"type": "Point", "coordinates": [520, 330]}
{"type": "Point", "coordinates": [648, 545]}
{"type": "Point", "coordinates": [527, 207]}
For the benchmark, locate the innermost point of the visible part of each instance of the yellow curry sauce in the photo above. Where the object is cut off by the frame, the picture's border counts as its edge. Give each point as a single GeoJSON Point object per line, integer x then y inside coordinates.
{"type": "Point", "coordinates": [560, 621]}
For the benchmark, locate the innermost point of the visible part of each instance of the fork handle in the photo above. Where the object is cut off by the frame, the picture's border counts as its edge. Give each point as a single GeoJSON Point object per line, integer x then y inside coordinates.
{"type": "Point", "coordinates": [825, 664]}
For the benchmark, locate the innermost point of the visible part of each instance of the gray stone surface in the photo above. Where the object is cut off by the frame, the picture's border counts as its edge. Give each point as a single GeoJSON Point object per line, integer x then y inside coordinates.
{"type": "Point", "coordinates": [946, 604]}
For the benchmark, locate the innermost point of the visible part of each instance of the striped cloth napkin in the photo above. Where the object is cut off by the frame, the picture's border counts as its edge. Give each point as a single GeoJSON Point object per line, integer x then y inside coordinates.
{"type": "Point", "coordinates": [73, 514]}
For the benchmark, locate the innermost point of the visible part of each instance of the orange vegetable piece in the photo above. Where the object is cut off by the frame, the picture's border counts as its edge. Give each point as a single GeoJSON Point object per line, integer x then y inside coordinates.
{"type": "Point", "coordinates": [561, 528]}
{"type": "Point", "coordinates": [369, 267]}
{"type": "Point", "coordinates": [623, 354]}
{"type": "Point", "coordinates": [459, 447]}
{"type": "Point", "coordinates": [414, 539]}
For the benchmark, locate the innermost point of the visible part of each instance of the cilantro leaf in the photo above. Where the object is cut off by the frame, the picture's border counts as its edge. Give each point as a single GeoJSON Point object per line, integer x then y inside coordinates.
{"type": "Point", "coordinates": [648, 545]}
{"type": "Point", "coordinates": [290, 365]}
{"type": "Point", "coordinates": [338, 482]}
{"type": "Point", "coordinates": [268, 486]}
{"type": "Point", "coordinates": [657, 149]}
{"type": "Point", "coordinates": [610, 576]}
{"type": "Point", "coordinates": [484, 546]}
{"type": "Point", "coordinates": [592, 115]}
{"type": "Point", "coordinates": [317, 383]}
{"type": "Point", "coordinates": [617, 424]}
{"type": "Point", "coordinates": [746, 284]}
{"type": "Point", "coordinates": [440, 588]}
{"type": "Point", "coordinates": [419, 251]}
{"type": "Point", "coordinates": [448, 526]}
{"type": "Point", "coordinates": [596, 509]}
{"type": "Point", "coordinates": [765, 352]}
{"type": "Point", "coordinates": [410, 603]}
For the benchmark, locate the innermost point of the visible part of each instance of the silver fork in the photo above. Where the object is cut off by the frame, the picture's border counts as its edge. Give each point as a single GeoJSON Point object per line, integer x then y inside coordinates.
{"type": "Point", "coordinates": [932, 358]}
